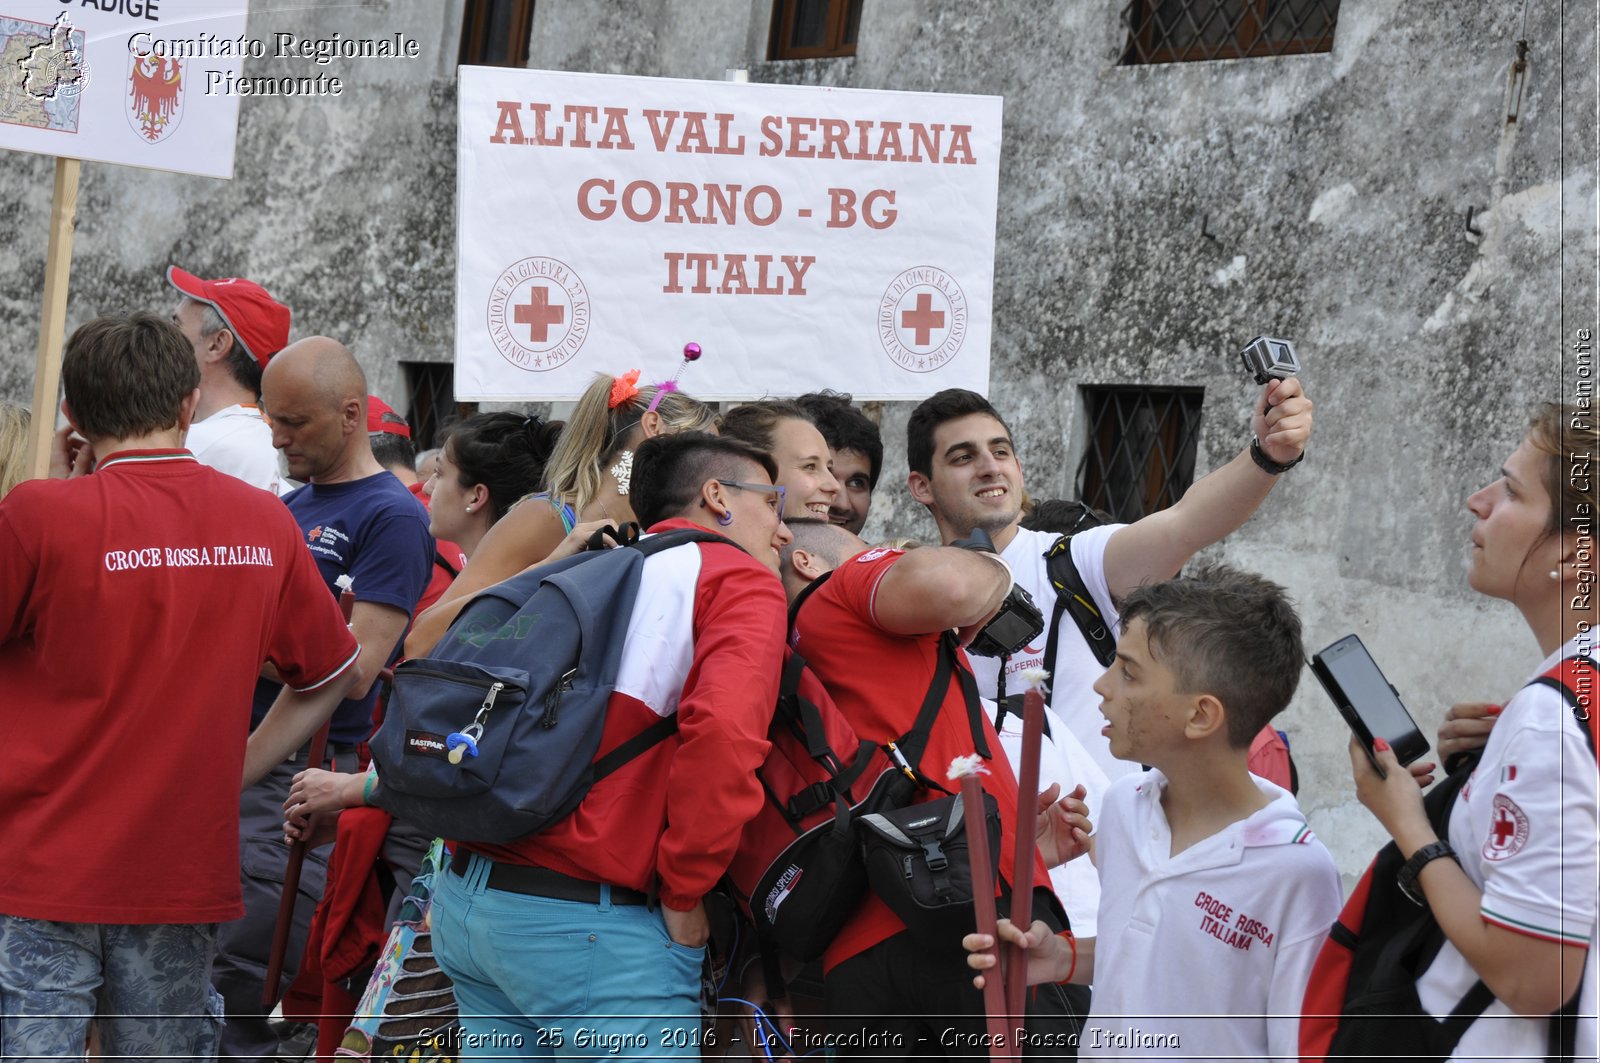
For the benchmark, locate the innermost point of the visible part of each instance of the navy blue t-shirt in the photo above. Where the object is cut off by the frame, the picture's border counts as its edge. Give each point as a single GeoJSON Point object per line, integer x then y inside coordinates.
{"type": "Point", "coordinates": [376, 531]}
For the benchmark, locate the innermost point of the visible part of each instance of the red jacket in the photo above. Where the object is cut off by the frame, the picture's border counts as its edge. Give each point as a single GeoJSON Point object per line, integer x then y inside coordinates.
{"type": "Point", "coordinates": [706, 642]}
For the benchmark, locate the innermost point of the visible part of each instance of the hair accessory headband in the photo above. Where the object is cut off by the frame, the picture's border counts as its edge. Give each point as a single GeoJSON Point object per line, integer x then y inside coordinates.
{"type": "Point", "coordinates": [623, 388]}
{"type": "Point", "coordinates": [691, 353]}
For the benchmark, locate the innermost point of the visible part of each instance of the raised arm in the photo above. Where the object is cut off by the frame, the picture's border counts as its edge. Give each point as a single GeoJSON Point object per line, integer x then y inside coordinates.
{"type": "Point", "coordinates": [934, 588]}
{"type": "Point", "coordinates": [1156, 547]}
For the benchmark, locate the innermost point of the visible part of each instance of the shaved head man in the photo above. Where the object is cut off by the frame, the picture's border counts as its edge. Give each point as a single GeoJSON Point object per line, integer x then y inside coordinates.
{"type": "Point", "coordinates": [316, 395]}
{"type": "Point", "coordinates": [818, 547]}
{"type": "Point", "coordinates": [358, 520]}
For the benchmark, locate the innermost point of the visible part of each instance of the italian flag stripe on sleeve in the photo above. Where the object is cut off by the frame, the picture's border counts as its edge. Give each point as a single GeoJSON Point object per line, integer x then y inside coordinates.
{"type": "Point", "coordinates": [1558, 935]}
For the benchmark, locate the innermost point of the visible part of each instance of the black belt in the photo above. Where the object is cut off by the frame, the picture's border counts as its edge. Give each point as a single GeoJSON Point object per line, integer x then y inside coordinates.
{"type": "Point", "coordinates": [543, 882]}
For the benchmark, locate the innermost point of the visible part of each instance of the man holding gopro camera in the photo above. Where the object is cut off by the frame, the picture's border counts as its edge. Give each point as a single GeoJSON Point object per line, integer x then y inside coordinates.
{"type": "Point", "coordinates": [965, 469]}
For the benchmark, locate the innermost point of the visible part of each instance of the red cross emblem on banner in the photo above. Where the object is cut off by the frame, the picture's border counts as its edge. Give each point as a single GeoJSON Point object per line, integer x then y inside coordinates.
{"type": "Point", "coordinates": [538, 313]}
{"type": "Point", "coordinates": [922, 319]}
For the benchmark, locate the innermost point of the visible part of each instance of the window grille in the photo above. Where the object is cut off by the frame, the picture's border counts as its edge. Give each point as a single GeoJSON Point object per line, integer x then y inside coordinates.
{"type": "Point", "coordinates": [814, 29]}
{"type": "Point", "coordinates": [1141, 449]}
{"type": "Point", "coordinates": [496, 32]}
{"type": "Point", "coordinates": [1183, 31]}
{"type": "Point", "coordinates": [431, 400]}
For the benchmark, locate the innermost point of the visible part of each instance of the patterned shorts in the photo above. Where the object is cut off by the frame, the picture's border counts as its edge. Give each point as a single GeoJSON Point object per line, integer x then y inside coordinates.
{"type": "Point", "coordinates": [148, 985]}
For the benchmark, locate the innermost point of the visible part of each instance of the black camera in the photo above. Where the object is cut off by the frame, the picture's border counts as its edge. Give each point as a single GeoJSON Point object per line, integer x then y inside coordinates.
{"type": "Point", "coordinates": [1018, 622]}
{"type": "Point", "coordinates": [1268, 359]}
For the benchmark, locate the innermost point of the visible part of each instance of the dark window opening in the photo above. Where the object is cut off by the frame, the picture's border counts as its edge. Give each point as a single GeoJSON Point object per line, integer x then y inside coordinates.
{"type": "Point", "coordinates": [814, 29]}
{"type": "Point", "coordinates": [1141, 451]}
{"type": "Point", "coordinates": [1183, 31]}
{"type": "Point", "coordinates": [431, 398]}
{"type": "Point", "coordinates": [496, 32]}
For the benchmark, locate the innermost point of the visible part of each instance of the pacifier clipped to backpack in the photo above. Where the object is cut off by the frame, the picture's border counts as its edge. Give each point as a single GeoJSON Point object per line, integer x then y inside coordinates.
{"type": "Point", "coordinates": [464, 743]}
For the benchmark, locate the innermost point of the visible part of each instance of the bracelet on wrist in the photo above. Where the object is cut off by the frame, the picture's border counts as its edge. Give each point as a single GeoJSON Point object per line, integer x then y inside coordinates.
{"type": "Point", "coordinates": [1072, 941]}
{"type": "Point", "coordinates": [1276, 468]}
{"type": "Point", "coordinates": [369, 784]}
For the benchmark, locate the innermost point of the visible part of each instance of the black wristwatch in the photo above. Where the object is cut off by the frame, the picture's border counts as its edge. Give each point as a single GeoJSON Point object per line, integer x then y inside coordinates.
{"type": "Point", "coordinates": [1406, 880]}
{"type": "Point", "coordinates": [1259, 456]}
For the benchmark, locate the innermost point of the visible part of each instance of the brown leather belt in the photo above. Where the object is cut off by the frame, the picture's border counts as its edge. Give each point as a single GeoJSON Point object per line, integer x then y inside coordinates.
{"type": "Point", "coordinates": [543, 882]}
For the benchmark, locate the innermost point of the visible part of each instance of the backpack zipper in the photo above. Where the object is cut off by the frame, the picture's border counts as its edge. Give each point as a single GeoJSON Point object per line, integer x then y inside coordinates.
{"type": "Point", "coordinates": [552, 700]}
{"type": "Point", "coordinates": [474, 730]}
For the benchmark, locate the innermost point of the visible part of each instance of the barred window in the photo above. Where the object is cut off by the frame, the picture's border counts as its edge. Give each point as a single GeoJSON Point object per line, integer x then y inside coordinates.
{"type": "Point", "coordinates": [1141, 448]}
{"type": "Point", "coordinates": [814, 29]}
{"type": "Point", "coordinates": [1183, 31]}
{"type": "Point", "coordinates": [431, 398]}
{"type": "Point", "coordinates": [496, 33]}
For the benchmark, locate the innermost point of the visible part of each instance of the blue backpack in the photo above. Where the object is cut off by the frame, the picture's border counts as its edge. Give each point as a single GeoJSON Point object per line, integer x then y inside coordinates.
{"type": "Point", "coordinates": [494, 736]}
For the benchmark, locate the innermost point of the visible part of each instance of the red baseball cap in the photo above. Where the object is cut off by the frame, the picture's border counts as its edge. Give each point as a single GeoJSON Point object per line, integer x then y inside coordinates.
{"type": "Point", "coordinates": [258, 321]}
{"type": "Point", "coordinates": [377, 411]}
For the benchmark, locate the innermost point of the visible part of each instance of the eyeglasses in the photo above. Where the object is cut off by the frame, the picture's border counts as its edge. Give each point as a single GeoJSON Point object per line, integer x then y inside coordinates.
{"type": "Point", "coordinates": [775, 490]}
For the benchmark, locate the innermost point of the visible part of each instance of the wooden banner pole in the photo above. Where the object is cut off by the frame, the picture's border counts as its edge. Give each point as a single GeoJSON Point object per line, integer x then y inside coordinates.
{"type": "Point", "coordinates": [53, 320]}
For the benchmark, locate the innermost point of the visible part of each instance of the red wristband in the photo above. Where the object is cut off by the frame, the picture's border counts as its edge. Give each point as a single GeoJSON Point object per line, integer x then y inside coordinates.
{"type": "Point", "coordinates": [1072, 941]}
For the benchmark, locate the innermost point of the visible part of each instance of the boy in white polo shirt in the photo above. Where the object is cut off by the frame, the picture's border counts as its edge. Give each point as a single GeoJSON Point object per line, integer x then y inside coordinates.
{"type": "Point", "coordinates": [1215, 894]}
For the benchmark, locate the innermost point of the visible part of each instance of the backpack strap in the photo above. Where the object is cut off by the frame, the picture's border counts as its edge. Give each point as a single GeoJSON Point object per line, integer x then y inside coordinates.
{"type": "Point", "coordinates": [1006, 704]}
{"type": "Point", "coordinates": [627, 535]}
{"type": "Point", "coordinates": [667, 725]}
{"type": "Point", "coordinates": [804, 720]}
{"type": "Point", "coordinates": [654, 544]}
{"type": "Point", "coordinates": [1072, 596]}
{"type": "Point", "coordinates": [634, 747]}
{"type": "Point", "coordinates": [800, 599]}
{"type": "Point", "coordinates": [438, 559]}
{"type": "Point", "coordinates": [907, 751]}
{"type": "Point", "coordinates": [1574, 679]}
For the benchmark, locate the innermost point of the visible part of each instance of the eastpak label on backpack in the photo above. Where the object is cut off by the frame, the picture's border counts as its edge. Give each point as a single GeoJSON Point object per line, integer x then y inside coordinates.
{"type": "Point", "coordinates": [1361, 1000]}
{"type": "Point", "coordinates": [494, 736]}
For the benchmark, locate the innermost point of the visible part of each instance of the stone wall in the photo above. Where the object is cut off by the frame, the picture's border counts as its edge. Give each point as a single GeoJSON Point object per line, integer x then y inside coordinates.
{"type": "Point", "coordinates": [1151, 219]}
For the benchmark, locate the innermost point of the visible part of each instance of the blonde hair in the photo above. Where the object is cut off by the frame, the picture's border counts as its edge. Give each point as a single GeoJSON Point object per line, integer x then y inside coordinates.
{"type": "Point", "coordinates": [596, 433]}
{"type": "Point", "coordinates": [14, 421]}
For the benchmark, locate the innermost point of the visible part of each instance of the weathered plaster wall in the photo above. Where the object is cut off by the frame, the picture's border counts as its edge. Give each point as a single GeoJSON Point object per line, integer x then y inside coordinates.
{"type": "Point", "coordinates": [1151, 220]}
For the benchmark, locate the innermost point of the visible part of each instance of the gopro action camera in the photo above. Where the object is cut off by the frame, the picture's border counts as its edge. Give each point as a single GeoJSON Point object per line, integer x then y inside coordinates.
{"type": "Point", "coordinates": [1268, 359]}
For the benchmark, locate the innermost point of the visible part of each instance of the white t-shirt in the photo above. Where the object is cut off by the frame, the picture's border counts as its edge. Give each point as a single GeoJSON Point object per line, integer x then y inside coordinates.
{"type": "Point", "coordinates": [238, 441]}
{"type": "Point", "coordinates": [1072, 687]}
{"type": "Point", "coordinates": [1206, 953]}
{"type": "Point", "coordinates": [1524, 829]}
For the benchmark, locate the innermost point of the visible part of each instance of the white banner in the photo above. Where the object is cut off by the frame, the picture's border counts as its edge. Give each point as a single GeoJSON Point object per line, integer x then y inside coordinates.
{"type": "Point", "coordinates": [804, 237]}
{"type": "Point", "coordinates": [148, 83]}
